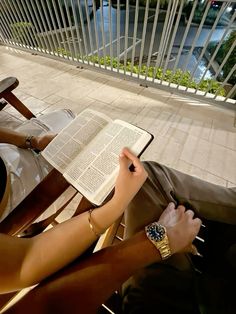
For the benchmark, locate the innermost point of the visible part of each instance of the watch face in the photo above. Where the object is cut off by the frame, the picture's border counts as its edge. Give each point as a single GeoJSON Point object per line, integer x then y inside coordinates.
{"type": "Point", "coordinates": [156, 232]}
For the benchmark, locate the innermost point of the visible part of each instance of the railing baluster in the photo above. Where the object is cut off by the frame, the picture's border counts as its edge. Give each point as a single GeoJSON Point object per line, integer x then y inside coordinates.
{"type": "Point", "coordinates": [40, 29]}
{"type": "Point", "coordinates": [212, 59]}
{"type": "Point", "coordinates": [44, 33]}
{"type": "Point", "coordinates": [75, 51]}
{"type": "Point", "coordinates": [10, 22]}
{"type": "Point", "coordinates": [4, 24]}
{"type": "Point", "coordinates": [110, 33]}
{"type": "Point", "coordinates": [67, 41]}
{"type": "Point", "coordinates": [126, 34]}
{"type": "Point", "coordinates": [118, 34]}
{"type": "Point", "coordinates": [103, 35]}
{"type": "Point", "coordinates": [225, 80]}
{"type": "Point", "coordinates": [18, 23]}
{"type": "Point", "coordinates": [222, 65]}
{"type": "Point", "coordinates": [174, 32]}
{"type": "Point", "coordinates": [231, 93]}
{"type": "Point", "coordinates": [162, 41]}
{"type": "Point", "coordinates": [135, 34]}
{"type": "Point", "coordinates": [152, 37]}
{"type": "Point", "coordinates": [89, 30]}
{"type": "Point", "coordinates": [184, 37]}
{"type": "Point", "coordinates": [22, 20]}
{"type": "Point", "coordinates": [96, 31]}
{"type": "Point", "coordinates": [25, 14]}
{"type": "Point", "coordinates": [63, 51]}
{"type": "Point", "coordinates": [54, 46]}
{"type": "Point", "coordinates": [143, 37]}
{"type": "Point", "coordinates": [76, 30]}
{"type": "Point", "coordinates": [223, 7]}
{"type": "Point", "coordinates": [31, 17]}
{"type": "Point", "coordinates": [81, 53]}
{"type": "Point", "coordinates": [195, 41]}
{"type": "Point", "coordinates": [54, 29]}
{"type": "Point", "coordinates": [83, 30]}
{"type": "Point", "coordinates": [3, 34]}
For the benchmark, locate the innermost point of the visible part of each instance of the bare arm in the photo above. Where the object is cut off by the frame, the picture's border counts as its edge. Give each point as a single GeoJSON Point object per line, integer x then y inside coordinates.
{"type": "Point", "coordinates": [19, 139]}
{"type": "Point", "coordinates": [85, 285]}
{"type": "Point", "coordinates": [27, 261]}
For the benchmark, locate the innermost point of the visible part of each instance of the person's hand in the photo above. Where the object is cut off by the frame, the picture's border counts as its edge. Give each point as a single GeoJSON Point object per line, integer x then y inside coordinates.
{"type": "Point", "coordinates": [40, 142]}
{"type": "Point", "coordinates": [128, 182]}
{"type": "Point", "coordinates": [181, 226]}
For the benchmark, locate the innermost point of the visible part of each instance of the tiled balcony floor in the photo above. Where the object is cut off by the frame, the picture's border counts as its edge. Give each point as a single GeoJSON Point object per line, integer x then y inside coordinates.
{"type": "Point", "coordinates": [191, 136]}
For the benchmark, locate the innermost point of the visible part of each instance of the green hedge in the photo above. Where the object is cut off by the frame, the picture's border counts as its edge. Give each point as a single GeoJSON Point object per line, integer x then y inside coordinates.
{"type": "Point", "coordinates": [178, 77]}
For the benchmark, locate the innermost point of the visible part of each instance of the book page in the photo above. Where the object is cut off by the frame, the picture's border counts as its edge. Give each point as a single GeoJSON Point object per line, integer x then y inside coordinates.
{"type": "Point", "coordinates": [72, 139]}
{"type": "Point", "coordinates": [95, 169]}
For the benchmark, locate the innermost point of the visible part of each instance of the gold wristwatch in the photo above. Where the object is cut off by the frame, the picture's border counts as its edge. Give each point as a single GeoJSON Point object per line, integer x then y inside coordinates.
{"type": "Point", "coordinates": [157, 234]}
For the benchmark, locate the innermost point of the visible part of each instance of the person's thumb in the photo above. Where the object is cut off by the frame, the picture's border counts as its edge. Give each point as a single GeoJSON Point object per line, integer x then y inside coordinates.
{"type": "Point", "coordinates": [124, 161]}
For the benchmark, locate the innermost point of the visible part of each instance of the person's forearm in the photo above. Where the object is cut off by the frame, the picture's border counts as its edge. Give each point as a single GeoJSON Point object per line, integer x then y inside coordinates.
{"type": "Point", "coordinates": [84, 286]}
{"type": "Point", "coordinates": [54, 249]}
{"type": "Point", "coordinates": [46, 253]}
{"type": "Point", "coordinates": [13, 137]}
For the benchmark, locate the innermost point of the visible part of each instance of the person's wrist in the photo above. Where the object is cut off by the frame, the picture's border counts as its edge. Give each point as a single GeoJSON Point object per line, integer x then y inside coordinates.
{"type": "Point", "coordinates": [34, 142]}
{"type": "Point", "coordinates": [172, 238]}
{"type": "Point", "coordinates": [27, 142]}
{"type": "Point", "coordinates": [157, 234]}
{"type": "Point", "coordinates": [118, 203]}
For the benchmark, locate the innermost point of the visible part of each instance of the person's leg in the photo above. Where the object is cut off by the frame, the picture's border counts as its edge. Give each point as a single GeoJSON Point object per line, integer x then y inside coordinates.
{"type": "Point", "coordinates": [215, 205]}
{"type": "Point", "coordinates": [25, 167]}
{"type": "Point", "coordinates": [164, 185]}
{"type": "Point", "coordinates": [52, 122]}
{"type": "Point", "coordinates": [159, 284]}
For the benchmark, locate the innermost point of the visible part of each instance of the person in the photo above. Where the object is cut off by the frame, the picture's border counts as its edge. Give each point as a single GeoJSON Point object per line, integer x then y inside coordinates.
{"type": "Point", "coordinates": [174, 286]}
{"type": "Point", "coordinates": [185, 283]}
{"type": "Point", "coordinates": [85, 284]}
{"type": "Point", "coordinates": [20, 164]}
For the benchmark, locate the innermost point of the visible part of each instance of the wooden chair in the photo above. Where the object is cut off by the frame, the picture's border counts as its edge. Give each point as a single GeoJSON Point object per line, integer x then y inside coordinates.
{"type": "Point", "coordinates": [44, 194]}
{"type": "Point", "coordinates": [21, 219]}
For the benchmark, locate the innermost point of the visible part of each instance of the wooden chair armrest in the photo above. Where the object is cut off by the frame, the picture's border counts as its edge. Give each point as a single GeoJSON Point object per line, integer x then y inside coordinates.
{"type": "Point", "coordinates": [6, 87]}
{"type": "Point", "coordinates": [44, 194]}
{"type": "Point", "coordinates": [3, 103]}
{"type": "Point", "coordinates": [109, 236]}
{"type": "Point", "coordinates": [8, 84]}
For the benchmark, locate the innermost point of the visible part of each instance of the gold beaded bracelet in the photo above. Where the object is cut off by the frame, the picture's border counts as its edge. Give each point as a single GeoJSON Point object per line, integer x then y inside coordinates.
{"type": "Point", "coordinates": [91, 224]}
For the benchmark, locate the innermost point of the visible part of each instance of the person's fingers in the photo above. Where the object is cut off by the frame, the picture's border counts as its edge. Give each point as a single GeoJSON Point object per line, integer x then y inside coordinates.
{"type": "Point", "coordinates": [170, 207]}
{"type": "Point", "coordinates": [189, 213]}
{"type": "Point", "coordinates": [139, 169]}
{"type": "Point", "coordinates": [135, 160]}
{"type": "Point", "coordinates": [124, 162]}
{"type": "Point", "coordinates": [181, 209]}
{"type": "Point", "coordinates": [197, 223]}
{"type": "Point", "coordinates": [193, 249]}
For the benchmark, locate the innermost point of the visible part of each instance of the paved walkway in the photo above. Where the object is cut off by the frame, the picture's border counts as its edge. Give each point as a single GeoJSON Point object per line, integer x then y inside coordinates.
{"type": "Point", "coordinates": [191, 136]}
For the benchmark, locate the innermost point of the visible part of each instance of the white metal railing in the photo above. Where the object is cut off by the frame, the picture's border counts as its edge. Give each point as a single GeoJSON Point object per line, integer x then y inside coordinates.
{"type": "Point", "coordinates": [189, 46]}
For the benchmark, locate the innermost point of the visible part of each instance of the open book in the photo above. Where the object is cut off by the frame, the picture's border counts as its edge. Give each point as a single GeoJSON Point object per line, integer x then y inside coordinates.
{"type": "Point", "coordinates": [87, 152]}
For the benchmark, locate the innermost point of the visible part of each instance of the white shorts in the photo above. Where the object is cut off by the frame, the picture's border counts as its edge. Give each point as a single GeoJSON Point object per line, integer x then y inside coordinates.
{"type": "Point", "coordinates": [26, 168]}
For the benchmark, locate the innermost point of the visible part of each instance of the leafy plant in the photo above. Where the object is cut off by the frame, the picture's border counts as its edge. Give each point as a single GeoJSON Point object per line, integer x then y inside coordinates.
{"type": "Point", "coordinates": [63, 52]}
{"type": "Point", "coordinates": [20, 30]}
